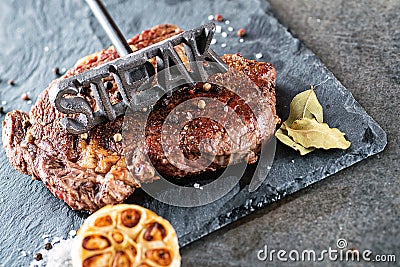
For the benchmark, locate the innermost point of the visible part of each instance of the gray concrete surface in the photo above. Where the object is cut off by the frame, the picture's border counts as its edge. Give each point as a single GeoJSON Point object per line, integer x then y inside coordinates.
{"type": "Point", "coordinates": [359, 41]}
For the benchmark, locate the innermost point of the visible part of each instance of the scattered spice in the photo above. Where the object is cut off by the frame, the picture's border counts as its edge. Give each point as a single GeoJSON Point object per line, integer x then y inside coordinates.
{"type": "Point", "coordinates": [191, 92]}
{"type": "Point", "coordinates": [206, 87]}
{"type": "Point", "coordinates": [28, 137]}
{"type": "Point", "coordinates": [38, 256]}
{"type": "Point", "coordinates": [219, 18]}
{"type": "Point", "coordinates": [201, 104]}
{"type": "Point", "coordinates": [84, 136]}
{"type": "Point", "coordinates": [11, 82]}
{"type": "Point", "coordinates": [26, 124]}
{"type": "Point", "coordinates": [144, 109]}
{"type": "Point", "coordinates": [25, 96]}
{"type": "Point", "coordinates": [56, 71]}
{"type": "Point", "coordinates": [165, 102]}
{"type": "Point", "coordinates": [72, 233]}
{"type": "Point", "coordinates": [117, 137]}
{"type": "Point", "coordinates": [259, 55]}
{"type": "Point", "coordinates": [48, 246]}
{"type": "Point", "coordinates": [241, 32]}
{"type": "Point", "coordinates": [108, 85]}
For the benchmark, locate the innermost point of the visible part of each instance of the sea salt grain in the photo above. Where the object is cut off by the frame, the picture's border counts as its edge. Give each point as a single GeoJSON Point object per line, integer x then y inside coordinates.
{"type": "Point", "coordinates": [223, 45]}
{"type": "Point", "coordinates": [230, 29]}
{"type": "Point", "coordinates": [259, 55]}
{"type": "Point", "coordinates": [58, 256]}
{"type": "Point", "coordinates": [211, 17]}
{"type": "Point", "coordinates": [218, 29]}
{"type": "Point", "coordinates": [224, 34]}
{"type": "Point", "coordinates": [227, 22]}
{"type": "Point", "coordinates": [241, 40]}
{"type": "Point", "coordinates": [213, 41]}
{"type": "Point", "coordinates": [72, 233]}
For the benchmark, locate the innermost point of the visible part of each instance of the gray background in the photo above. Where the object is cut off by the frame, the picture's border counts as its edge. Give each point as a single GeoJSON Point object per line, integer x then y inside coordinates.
{"type": "Point", "coordinates": [359, 43]}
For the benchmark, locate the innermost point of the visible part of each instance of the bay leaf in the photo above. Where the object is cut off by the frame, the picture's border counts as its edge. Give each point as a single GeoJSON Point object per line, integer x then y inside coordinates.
{"type": "Point", "coordinates": [310, 133]}
{"type": "Point", "coordinates": [305, 105]}
{"type": "Point", "coordinates": [282, 136]}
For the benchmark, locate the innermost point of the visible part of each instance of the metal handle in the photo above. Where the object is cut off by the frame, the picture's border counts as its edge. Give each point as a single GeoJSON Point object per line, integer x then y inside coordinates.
{"type": "Point", "coordinates": [109, 26]}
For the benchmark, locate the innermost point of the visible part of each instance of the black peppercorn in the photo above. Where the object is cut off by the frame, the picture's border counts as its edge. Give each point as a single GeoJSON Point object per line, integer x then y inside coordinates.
{"type": "Point", "coordinates": [56, 71]}
{"type": "Point", "coordinates": [38, 256]}
{"type": "Point", "coordinates": [48, 246]}
{"type": "Point", "coordinates": [25, 97]}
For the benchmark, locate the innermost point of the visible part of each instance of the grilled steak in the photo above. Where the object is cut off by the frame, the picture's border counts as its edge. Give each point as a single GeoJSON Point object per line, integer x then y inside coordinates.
{"type": "Point", "coordinates": [94, 169]}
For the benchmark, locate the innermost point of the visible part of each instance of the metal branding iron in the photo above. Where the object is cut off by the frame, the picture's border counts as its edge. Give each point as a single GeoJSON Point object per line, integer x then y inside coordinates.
{"type": "Point", "coordinates": [134, 74]}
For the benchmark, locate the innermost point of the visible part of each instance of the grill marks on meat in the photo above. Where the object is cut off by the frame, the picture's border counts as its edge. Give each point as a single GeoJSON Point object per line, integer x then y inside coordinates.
{"type": "Point", "coordinates": [89, 172]}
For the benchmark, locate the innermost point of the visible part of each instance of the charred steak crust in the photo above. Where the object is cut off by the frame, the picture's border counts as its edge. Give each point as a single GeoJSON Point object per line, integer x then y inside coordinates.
{"type": "Point", "coordinates": [87, 172]}
{"type": "Point", "coordinates": [90, 171]}
{"type": "Point", "coordinates": [222, 148]}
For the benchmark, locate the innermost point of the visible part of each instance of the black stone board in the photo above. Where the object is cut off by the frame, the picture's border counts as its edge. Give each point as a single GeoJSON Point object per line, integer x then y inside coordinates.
{"type": "Point", "coordinates": [37, 36]}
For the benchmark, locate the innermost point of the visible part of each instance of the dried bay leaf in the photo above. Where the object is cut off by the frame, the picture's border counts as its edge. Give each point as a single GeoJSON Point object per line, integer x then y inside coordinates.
{"type": "Point", "coordinates": [305, 105]}
{"type": "Point", "coordinates": [282, 136]}
{"type": "Point", "coordinates": [310, 133]}
{"type": "Point", "coordinates": [304, 130]}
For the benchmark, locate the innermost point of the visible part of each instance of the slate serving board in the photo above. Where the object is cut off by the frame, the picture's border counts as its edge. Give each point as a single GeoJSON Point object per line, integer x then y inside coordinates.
{"type": "Point", "coordinates": [38, 35]}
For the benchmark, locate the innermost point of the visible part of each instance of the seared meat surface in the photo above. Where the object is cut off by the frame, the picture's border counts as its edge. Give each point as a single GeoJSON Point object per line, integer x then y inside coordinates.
{"type": "Point", "coordinates": [94, 169]}
{"type": "Point", "coordinates": [205, 141]}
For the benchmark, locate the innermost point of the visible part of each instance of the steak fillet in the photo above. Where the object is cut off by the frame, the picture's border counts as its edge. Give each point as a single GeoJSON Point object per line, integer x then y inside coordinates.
{"type": "Point", "coordinates": [92, 170]}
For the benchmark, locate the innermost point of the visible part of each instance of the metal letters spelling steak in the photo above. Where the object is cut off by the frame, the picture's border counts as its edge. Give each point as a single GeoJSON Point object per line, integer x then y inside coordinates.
{"type": "Point", "coordinates": [90, 170]}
